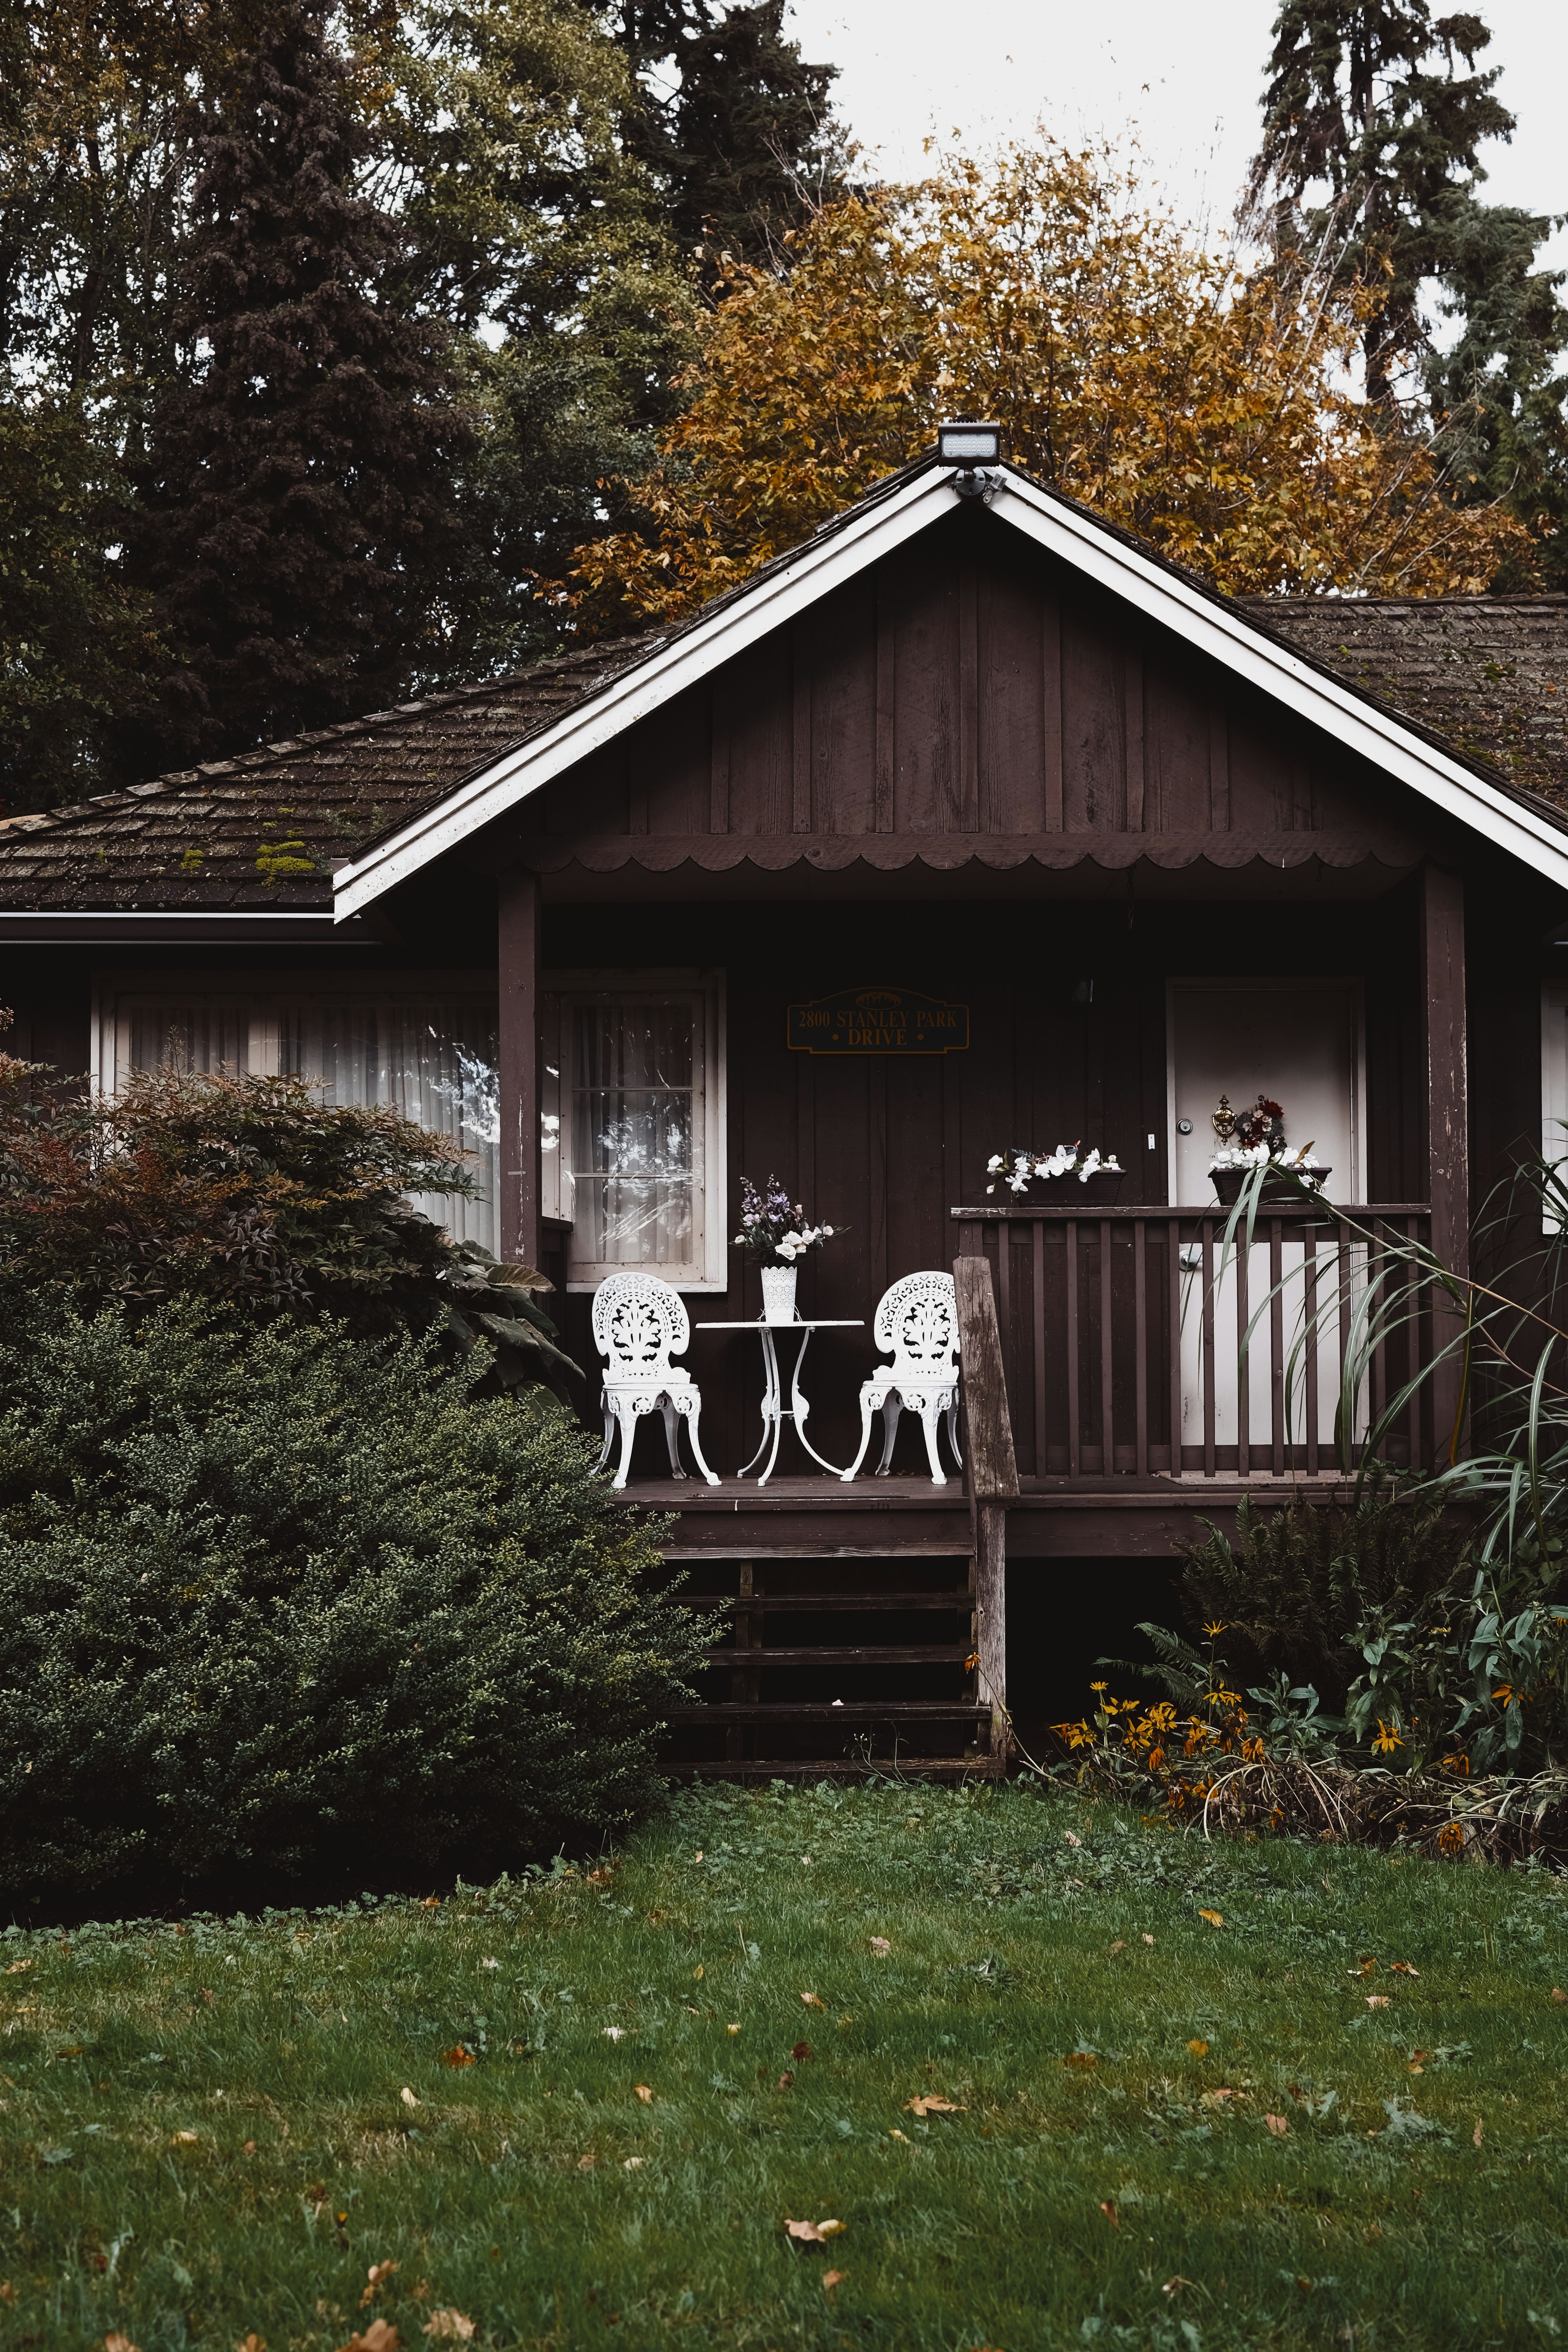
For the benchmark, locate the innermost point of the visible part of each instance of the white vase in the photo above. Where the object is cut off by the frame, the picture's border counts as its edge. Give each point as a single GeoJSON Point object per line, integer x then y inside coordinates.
{"type": "Point", "coordinates": [778, 1294]}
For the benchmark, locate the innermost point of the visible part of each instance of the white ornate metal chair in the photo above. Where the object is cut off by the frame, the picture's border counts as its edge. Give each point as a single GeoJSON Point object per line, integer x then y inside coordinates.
{"type": "Point", "coordinates": [917, 1323]}
{"type": "Point", "coordinates": [639, 1323]}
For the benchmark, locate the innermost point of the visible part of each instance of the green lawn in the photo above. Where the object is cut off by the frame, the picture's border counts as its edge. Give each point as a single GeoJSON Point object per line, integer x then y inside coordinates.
{"type": "Point", "coordinates": [218, 2130]}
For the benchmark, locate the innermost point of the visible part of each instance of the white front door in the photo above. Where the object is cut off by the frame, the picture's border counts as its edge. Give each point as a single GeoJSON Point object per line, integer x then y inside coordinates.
{"type": "Point", "coordinates": [1299, 1042]}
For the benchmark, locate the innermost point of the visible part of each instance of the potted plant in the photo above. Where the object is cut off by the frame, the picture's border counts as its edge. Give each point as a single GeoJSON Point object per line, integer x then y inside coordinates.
{"type": "Point", "coordinates": [775, 1231]}
{"type": "Point", "coordinates": [1255, 1138]}
{"type": "Point", "coordinates": [1097, 1174]}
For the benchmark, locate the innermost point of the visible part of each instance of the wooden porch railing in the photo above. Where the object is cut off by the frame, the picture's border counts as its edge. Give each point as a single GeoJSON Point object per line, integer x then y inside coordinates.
{"type": "Point", "coordinates": [1122, 1334]}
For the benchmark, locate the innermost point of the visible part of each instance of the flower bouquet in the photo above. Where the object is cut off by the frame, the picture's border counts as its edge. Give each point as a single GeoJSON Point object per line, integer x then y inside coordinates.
{"type": "Point", "coordinates": [775, 1231]}
{"type": "Point", "coordinates": [1255, 1138]}
{"type": "Point", "coordinates": [1017, 1168]}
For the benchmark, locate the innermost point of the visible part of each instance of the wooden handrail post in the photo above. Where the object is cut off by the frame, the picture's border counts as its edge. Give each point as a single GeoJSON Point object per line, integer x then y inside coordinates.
{"type": "Point", "coordinates": [990, 1477]}
{"type": "Point", "coordinates": [518, 1055]}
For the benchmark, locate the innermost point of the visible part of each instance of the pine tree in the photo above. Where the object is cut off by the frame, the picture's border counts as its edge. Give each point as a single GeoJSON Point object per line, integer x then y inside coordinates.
{"type": "Point", "coordinates": [295, 489]}
{"type": "Point", "coordinates": [745, 142]}
{"type": "Point", "coordinates": [1359, 113]}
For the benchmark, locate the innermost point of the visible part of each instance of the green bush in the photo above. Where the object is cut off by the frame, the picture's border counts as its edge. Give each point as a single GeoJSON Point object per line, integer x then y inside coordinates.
{"type": "Point", "coordinates": [286, 1601]}
{"type": "Point", "coordinates": [1295, 1591]}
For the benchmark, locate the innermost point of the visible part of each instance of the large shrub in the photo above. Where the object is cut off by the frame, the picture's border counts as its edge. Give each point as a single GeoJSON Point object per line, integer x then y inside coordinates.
{"type": "Point", "coordinates": [281, 1600]}
{"type": "Point", "coordinates": [258, 1196]}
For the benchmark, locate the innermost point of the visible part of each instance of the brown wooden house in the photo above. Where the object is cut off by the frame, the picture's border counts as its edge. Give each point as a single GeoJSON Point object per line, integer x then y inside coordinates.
{"type": "Point", "coordinates": [970, 824]}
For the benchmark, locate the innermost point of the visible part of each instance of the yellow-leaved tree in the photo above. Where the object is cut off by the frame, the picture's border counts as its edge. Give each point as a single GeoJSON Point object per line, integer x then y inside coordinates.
{"type": "Point", "coordinates": [1210, 410]}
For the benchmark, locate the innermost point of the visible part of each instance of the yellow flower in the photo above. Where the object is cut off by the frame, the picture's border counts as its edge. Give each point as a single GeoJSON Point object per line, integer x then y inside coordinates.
{"type": "Point", "coordinates": [1387, 1741]}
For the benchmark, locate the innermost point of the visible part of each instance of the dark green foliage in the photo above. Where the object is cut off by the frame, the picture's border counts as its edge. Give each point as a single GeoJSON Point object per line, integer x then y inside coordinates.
{"type": "Point", "coordinates": [296, 494]}
{"type": "Point", "coordinates": [744, 142]}
{"type": "Point", "coordinates": [286, 1601]}
{"type": "Point", "coordinates": [74, 641]}
{"type": "Point", "coordinates": [254, 1195]}
{"type": "Point", "coordinates": [1369, 158]}
{"type": "Point", "coordinates": [1301, 1581]}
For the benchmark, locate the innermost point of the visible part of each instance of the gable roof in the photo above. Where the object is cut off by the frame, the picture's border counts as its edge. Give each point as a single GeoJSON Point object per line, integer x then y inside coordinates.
{"type": "Point", "coordinates": [1468, 697]}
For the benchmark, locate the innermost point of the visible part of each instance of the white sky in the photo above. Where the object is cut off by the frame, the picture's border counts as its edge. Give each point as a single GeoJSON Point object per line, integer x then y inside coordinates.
{"type": "Point", "coordinates": [1191, 79]}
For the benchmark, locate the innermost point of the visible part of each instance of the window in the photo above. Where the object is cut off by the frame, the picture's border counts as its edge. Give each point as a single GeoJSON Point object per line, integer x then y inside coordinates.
{"type": "Point", "coordinates": [428, 1052]}
{"type": "Point", "coordinates": [632, 1146]}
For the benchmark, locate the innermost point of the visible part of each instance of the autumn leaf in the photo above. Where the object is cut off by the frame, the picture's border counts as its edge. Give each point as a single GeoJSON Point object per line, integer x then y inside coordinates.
{"type": "Point", "coordinates": [1080, 2058]}
{"type": "Point", "coordinates": [1476, 2135]}
{"type": "Point", "coordinates": [457, 2057]}
{"type": "Point", "coordinates": [930, 2104]}
{"type": "Point", "coordinates": [1108, 2207]}
{"type": "Point", "coordinates": [801, 2050]}
{"type": "Point", "coordinates": [815, 2233]}
{"type": "Point", "coordinates": [1404, 1969]}
{"type": "Point", "coordinates": [1377, 2001]}
{"type": "Point", "coordinates": [379, 2336]}
{"type": "Point", "coordinates": [110, 2343]}
{"type": "Point", "coordinates": [187, 2139]}
{"type": "Point", "coordinates": [1278, 2126]}
{"type": "Point", "coordinates": [376, 2279]}
{"type": "Point", "coordinates": [1558, 1993]}
{"type": "Point", "coordinates": [251, 2343]}
{"type": "Point", "coordinates": [645, 2095]}
{"type": "Point", "coordinates": [786, 2081]}
{"type": "Point", "coordinates": [830, 2279]}
{"type": "Point", "coordinates": [456, 2326]}
{"type": "Point", "coordinates": [811, 2000]}
{"type": "Point", "coordinates": [407, 2096]}
{"type": "Point", "coordinates": [614, 2033]}
{"type": "Point", "coordinates": [697, 1971]}
{"type": "Point", "coordinates": [1214, 1918]}
{"type": "Point", "coordinates": [1199, 2049]}
{"type": "Point", "coordinates": [15, 1971]}
{"type": "Point", "coordinates": [882, 1947]}
{"type": "Point", "coordinates": [1118, 1946]}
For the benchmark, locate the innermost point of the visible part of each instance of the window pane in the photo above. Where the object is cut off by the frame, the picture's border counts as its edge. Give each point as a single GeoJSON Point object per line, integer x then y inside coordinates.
{"type": "Point", "coordinates": [432, 1060]}
{"type": "Point", "coordinates": [636, 1114]}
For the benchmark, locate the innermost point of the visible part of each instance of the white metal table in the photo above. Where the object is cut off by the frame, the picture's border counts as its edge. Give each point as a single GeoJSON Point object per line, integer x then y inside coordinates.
{"type": "Point", "coordinates": [775, 1413]}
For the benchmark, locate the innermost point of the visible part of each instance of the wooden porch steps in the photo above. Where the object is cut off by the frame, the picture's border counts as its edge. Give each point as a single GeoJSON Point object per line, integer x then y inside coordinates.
{"type": "Point", "coordinates": [834, 1642]}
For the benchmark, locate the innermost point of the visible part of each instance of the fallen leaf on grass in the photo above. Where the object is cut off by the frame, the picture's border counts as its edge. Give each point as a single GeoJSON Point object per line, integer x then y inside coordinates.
{"type": "Point", "coordinates": [407, 2097]}
{"type": "Point", "coordinates": [1148, 1940]}
{"type": "Point", "coordinates": [1108, 2209]}
{"type": "Point", "coordinates": [1558, 1993]}
{"type": "Point", "coordinates": [614, 2033]}
{"type": "Point", "coordinates": [1404, 1969]}
{"type": "Point", "coordinates": [379, 2336]}
{"type": "Point", "coordinates": [645, 2095]}
{"type": "Point", "coordinates": [899, 2135]}
{"type": "Point", "coordinates": [1199, 2049]}
{"type": "Point", "coordinates": [1071, 1837]}
{"type": "Point", "coordinates": [1215, 2098]}
{"type": "Point", "coordinates": [251, 2343]}
{"type": "Point", "coordinates": [1080, 2058]}
{"type": "Point", "coordinates": [457, 2057]}
{"type": "Point", "coordinates": [830, 2279]}
{"type": "Point", "coordinates": [1476, 2135]}
{"type": "Point", "coordinates": [801, 2050]}
{"type": "Point", "coordinates": [633, 2163]}
{"type": "Point", "coordinates": [1118, 1946]}
{"type": "Point", "coordinates": [785, 2080]}
{"type": "Point", "coordinates": [1278, 2126]}
{"type": "Point", "coordinates": [882, 1947]}
{"type": "Point", "coordinates": [811, 2000]}
{"type": "Point", "coordinates": [930, 2104]}
{"type": "Point", "coordinates": [1377, 2001]}
{"type": "Point", "coordinates": [454, 2325]}
{"type": "Point", "coordinates": [376, 2279]}
{"type": "Point", "coordinates": [586, 2163]}
{"type": "Point", "coordinates": [1214, 1918]}
{"type": "Point", "coordinates": [815, 2233]}
{"type": "Point", "coordinates": [110, 2343]}
{"type": "Point", "coordinates": [187, 2139]}
{"type": "Point", "coordinates": [15, 1971]}
{"type": "Point", "coordinates": [8, 2292]}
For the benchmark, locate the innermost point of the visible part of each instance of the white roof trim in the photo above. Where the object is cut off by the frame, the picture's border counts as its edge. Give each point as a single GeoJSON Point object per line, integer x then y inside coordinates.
{"type": "Point", "coordinates": [823, 564]}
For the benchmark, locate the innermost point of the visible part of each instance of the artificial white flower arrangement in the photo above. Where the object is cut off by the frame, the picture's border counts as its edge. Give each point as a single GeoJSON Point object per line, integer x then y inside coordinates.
{"type": "Point", "coordinates": [1017, 1168]}
{"type": "Point", "coordinates": [1255, 1138]}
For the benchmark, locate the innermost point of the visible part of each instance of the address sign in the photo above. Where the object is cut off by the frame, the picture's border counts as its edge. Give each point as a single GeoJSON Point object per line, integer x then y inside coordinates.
{"type": "Point", "coordinates": [878, 1021]}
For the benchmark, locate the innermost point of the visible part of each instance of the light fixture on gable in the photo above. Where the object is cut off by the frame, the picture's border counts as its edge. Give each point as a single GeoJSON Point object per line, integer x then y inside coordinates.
{"type": "Point", "coordinates": [971, 448]}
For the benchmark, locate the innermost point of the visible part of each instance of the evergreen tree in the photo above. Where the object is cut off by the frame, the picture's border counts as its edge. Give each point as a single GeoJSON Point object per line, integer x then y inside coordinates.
{"type": "Point", "coordinates": [1369, 168]}
{"type": "Point", "coordinates": [296, 493]}
{"type": "Point", "coordinates": [1360, 114]}
{"type": "Point", "coordinates": [743, 141]}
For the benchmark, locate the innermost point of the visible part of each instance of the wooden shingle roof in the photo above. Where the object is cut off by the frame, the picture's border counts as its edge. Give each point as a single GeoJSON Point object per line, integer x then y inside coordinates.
{"type": "Point", "coordinates": [265, 831]}
{"type": "Point", "coordinates": [1486, 676]}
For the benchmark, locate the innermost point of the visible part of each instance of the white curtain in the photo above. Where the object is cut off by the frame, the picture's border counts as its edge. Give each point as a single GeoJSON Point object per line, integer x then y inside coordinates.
{"type": "Point", "coordinates": [432, 1059]}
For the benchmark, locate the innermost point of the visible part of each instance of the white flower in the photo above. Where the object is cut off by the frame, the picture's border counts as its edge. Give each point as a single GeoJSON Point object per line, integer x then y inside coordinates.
{"type": "Point", "coordinates": [1112, 1166]}
{"type": "Point", "coordinates": [826, 1231]}
{"type": "Point", "coordinates": [1019, 1182]}
{"type": "Point", "coordinates": [995, 1164]}
{"type": "Point", "coordinates": [1087, 1167]}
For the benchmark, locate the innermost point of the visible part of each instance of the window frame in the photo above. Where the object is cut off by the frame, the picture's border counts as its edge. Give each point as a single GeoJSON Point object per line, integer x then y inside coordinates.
{"type": "Point", "coordinates": [575, 985]}
{"type": "Point", "coordinates": [1553, 1083]}
{"type": "Point", "coordinates": [112, 985]}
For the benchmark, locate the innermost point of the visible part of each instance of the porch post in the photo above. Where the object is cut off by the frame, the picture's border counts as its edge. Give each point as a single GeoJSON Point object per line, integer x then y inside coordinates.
{"type": "Point", "coordinates": [518, 1054]}
{"type": "Point", "coordinates": [1445, 1119]}
{"type": "Point", "coordinates": [990, 1476]}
